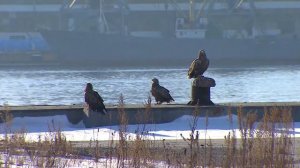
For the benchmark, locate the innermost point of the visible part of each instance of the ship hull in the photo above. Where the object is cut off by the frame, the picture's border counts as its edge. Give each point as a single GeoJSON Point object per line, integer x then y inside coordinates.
{"type": "Point", "coordinates": [114, 50]}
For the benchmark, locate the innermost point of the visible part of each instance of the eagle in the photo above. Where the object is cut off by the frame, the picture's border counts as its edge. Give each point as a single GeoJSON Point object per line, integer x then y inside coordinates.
{"type": "Point", "coordinates": [94, 100]}
{"type": "Point", "coordinates": [198, 66]}
{"type": "Point", "coordinates": [160, 93]}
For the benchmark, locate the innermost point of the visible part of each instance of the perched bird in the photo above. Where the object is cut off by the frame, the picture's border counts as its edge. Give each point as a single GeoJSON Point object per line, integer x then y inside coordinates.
{"type": "Point", "coordinates": [160, 93]}
{"type": "Point", "coordinates": [199, 65]}
{"type": "Point", "coordinates": [94, 100]}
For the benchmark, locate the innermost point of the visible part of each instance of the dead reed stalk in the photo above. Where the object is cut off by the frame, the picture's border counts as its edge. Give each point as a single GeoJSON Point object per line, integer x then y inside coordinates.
{"type": "Point", "coordinates": [267, 143]}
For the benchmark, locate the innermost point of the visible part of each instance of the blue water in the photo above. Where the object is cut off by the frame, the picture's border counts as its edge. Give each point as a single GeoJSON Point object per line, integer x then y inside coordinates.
{"type": "Point", "coordinates": [57, 85]}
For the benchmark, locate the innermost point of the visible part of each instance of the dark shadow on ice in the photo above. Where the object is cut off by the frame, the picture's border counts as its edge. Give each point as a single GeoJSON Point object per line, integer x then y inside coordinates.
{"type": "Point", "coordinates": [184, 124]}
{"type": "Point", "coordinates": [40, 124]}
{"type": "Point", "coordinates": [60, 122]}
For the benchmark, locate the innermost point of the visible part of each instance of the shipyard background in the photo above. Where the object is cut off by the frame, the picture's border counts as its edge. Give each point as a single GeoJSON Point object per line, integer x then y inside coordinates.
{"type": "Point", "coordinates": [94, 32]}
{"type": "Point", "coordinates": [152, 16]}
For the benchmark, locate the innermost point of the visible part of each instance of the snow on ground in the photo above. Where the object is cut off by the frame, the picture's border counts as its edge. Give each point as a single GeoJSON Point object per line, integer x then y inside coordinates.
{"type": "Point", "coordinates": [215, 128]}
{"type": "Point", "coordinates": [22, 161]}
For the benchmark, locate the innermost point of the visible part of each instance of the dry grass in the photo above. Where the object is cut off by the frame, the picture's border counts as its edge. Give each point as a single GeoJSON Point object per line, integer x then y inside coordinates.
{"type": "Point", "coordinates": [267, 143]}
{"type": "Point", "coordinates": [264, 144]}
{"type": "Point", "coordinates": [45, 152]}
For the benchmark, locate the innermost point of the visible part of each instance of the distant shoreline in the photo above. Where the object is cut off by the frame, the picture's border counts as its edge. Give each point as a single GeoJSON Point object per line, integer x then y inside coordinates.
{"type": "Point", "coordinates": [161, 65]}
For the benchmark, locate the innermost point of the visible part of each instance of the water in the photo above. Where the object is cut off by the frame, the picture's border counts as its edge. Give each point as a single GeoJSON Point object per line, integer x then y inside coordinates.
{"type": "Point", "coordinates": [56, 85]}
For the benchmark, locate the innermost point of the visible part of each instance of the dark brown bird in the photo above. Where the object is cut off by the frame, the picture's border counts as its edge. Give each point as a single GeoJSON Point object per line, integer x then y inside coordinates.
{"type": "Point", "coordinates": [160, 93]}
{"type": "Point", "coordinates": [94, 100]}
{"type": "Point", "coordinates": [199, 65]}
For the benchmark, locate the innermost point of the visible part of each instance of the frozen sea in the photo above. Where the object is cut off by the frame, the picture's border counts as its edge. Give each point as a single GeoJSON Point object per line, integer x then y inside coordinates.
{"type": "Point", "coordinates": [57, 85]}
{"type": "Point", "coordinates": [63, 86]}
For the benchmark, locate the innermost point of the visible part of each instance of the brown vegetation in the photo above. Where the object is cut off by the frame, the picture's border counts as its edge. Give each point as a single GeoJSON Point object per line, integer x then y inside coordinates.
{"type": "Point", "coordinates": [267, 143]}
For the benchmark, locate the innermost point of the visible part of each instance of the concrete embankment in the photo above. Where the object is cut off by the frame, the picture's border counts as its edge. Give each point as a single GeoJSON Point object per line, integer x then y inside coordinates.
{"type": "Point", "coordinates": [138, 114]}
